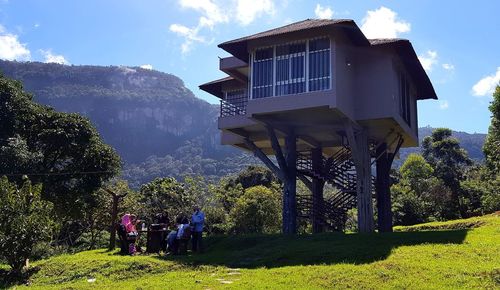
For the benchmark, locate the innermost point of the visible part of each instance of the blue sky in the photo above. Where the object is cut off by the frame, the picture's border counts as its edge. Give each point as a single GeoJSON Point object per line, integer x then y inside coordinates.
{"type": "Point", "coordinates": [458, 42]}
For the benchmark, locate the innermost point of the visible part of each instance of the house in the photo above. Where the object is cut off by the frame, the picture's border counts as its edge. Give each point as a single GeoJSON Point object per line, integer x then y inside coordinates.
{"type": "Point", "coordinates": [317, 90]}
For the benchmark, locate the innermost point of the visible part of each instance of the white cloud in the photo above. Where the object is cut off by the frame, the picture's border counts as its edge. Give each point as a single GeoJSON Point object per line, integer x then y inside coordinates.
{"type": "Point", "coordinates": [383, 23]}
{"type": "Point", "coordinates": [11, 48]}
{"type": "Point", "coordinates": [53, 58]}
{"type": "Point", "coordinates": [248, 10]}
{"type": "Point", "coordinates": [486, 86]}
{"type": "Point", "coordinates": [147, 66]}
{"type": "Point", "coordinates": [323, 12]}
{"type": "Point", "coordinates": [443, 104]}
{"type": "Point", "coordinates": [448, 66]}
{"type": "Point", "coordinates": [428, 60]}
{"type": "Point", "coordinates": [214, 12]}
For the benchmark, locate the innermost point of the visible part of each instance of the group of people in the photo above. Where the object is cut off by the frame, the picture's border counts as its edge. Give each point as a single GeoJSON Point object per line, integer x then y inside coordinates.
{"type": "Point", "coordinates": [183, 230]}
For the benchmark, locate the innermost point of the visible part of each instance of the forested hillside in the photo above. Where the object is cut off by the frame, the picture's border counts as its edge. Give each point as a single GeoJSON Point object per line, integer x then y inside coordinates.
{"type": "Point", "coordinates": [140, 112]}
{"type": "Point", "coordinates": [157, 125]}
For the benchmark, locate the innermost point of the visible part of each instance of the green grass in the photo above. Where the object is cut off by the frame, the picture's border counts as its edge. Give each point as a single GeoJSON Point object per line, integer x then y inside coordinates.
{"type": "Point", "coordinates": [462, 254]}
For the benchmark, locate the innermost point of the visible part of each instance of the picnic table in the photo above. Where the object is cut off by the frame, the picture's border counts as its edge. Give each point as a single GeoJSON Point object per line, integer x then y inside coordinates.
{"type": "Point", "coordinates": [156, 235]}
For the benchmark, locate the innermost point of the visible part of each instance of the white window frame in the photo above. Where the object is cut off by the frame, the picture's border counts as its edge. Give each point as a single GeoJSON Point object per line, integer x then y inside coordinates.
{"type": "Point", "coordinates": [306, 77]}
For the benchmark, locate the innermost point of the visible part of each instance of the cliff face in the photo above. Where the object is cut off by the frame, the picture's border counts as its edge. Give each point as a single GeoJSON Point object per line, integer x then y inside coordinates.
{"type": "Point", "coordinates": [139, 112]}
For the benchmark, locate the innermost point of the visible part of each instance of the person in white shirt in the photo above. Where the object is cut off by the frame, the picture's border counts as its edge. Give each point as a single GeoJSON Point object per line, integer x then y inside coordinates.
{"type": "Point", "coordinates": [197, 222]}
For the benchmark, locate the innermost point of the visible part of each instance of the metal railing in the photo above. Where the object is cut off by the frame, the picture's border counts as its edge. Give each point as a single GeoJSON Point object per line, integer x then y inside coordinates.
{"type": "Point", "coordinates": [234, 107]}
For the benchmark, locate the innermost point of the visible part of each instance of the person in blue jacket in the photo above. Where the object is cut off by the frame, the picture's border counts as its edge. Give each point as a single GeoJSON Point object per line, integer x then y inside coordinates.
{"type": "Point", "coordinates": [197, 222]}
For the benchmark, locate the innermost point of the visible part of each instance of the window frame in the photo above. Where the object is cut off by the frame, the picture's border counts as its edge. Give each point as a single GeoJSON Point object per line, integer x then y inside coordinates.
{"type": "Point", "coordinates": [306, 62]}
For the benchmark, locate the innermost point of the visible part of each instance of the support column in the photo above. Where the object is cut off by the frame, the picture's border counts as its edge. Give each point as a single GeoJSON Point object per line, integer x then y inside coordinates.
{"type": "Point", "coordinates": [290, 185]}
{"type": "Point", "coordinates": [317, 191]}
{"type": "Point", "coordinates": [361, 155]}
{"type": "Point", "coordinates": [383, 190]}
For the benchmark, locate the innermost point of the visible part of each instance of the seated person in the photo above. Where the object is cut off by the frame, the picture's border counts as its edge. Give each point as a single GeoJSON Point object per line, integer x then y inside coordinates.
{"type": "Point", "coordinates": [175, 235]}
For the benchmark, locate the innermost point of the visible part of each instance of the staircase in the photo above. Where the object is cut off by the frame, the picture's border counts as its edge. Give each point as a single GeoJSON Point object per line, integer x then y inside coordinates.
{"type": "Point", "coordinates": [338, 171]}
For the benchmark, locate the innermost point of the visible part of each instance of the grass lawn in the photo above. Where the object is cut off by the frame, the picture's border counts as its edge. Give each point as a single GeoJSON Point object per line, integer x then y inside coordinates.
{"type": "Point", "coordinates": [462, 254]}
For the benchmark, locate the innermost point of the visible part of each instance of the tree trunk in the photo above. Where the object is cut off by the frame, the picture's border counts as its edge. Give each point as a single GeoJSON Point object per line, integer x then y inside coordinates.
{"type": "Point", "coordinates": [114, 217]}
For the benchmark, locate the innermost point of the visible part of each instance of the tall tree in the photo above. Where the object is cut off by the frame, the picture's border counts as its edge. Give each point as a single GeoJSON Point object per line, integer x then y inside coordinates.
{"type": "Point", "coordinates": [491, 146]}
{"type": "Point", "coordinates": [62, 151]}
{"type": "Point", "coordinates": [448, 159]}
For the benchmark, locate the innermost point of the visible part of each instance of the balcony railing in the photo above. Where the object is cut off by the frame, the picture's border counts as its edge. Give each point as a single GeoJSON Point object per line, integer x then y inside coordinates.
{"type": "Point", "coordinates": [234, 106]}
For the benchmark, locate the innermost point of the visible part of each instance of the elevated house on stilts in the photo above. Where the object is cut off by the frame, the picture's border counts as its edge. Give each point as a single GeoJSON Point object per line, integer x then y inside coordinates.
{"type": "Point", "coordinates": [328, 104]}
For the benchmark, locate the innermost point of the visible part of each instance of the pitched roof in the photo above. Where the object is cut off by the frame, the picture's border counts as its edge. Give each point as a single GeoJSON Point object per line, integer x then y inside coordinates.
{"type": "Point", "coordinates": [215, 87]}
{"type": "Point", "coordinates": [238, 47]}
{"type": "Point", "coordinates": [297, 26]}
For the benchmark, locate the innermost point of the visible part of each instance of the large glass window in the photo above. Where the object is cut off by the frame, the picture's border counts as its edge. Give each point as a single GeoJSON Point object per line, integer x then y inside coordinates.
{"type": "Point", "coordinates": [291, 68]}
{"type": "Point", "coordinates": [262, 76]}
{"type": "Point", "coordinates": [319, 64]}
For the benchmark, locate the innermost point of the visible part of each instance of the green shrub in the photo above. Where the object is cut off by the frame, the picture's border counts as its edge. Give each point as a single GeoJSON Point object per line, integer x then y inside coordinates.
{"type": "Point", "coordinates": [24, 222]}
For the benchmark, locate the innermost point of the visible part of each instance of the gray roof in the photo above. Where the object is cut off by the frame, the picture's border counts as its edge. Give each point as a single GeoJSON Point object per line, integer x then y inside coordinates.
{"type": "Point", "coordinates": [238, 47]}
{"type": "Point", "coordinates": [297, 26]}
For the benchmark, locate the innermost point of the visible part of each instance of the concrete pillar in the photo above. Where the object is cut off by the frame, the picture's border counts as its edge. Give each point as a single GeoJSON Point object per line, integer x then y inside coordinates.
{"type": "Point", "coordinates": [317, 191]}
{"type": "Point", "coordinates": [383, 190]}
{"type": "Point", "coordinates": [290, 185]}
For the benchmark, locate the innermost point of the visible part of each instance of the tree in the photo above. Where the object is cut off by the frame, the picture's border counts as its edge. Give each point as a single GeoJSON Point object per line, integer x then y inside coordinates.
{"type": "Point", "coordinates": [409, 204]}
{"type": "Point", "coordinates": [419, 196]}
{"type": "Point", "coordinates": [165, 195]}
{"type": "Point", "coordinates": [24, 222]}
{"type": "Point", "coordinates": [491, 146]}
{"type": "Point", "coordinates": [448, 160]}
{"type": "Point", "coordinates": [62, 151]}
{"type": "Point", "coordinates": [257, 211]}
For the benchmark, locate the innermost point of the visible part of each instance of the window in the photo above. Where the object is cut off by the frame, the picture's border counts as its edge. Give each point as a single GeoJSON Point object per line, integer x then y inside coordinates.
{"type": "Point", "coordinates": [292, 68]}
{"type": "Point", "coordinates": [319, 64]}
{"type": "Point", "coordinates": [262, 75]}
{"type": "Point", "coordinates": [405, 99]}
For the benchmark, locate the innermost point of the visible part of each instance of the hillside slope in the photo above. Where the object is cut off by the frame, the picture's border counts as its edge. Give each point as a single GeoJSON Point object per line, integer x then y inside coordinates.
{"type": "Point", "coordinates": [462, 254]}
{"type": "Point", "coordinates": [140, 112]}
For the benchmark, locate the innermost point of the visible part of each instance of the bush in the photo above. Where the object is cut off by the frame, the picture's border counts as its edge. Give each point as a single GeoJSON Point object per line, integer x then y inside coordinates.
{"type": "Point", "coordinates": [257, 211]}
{"type": "Point", "coordinates": [24, 222]}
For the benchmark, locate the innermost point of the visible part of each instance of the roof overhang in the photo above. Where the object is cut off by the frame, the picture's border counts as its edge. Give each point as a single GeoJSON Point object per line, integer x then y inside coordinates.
{"type": "Point", "coordinates": [215, 87]}
{"type": "Point", "coordinates": [239, 47]}
{"type": "Point", "coordinates": [410, 60]}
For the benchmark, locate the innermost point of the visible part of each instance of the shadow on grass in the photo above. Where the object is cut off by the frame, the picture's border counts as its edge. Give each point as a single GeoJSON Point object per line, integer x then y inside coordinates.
{"type": "Point", "coordinates": [9, 279]}
{"type": "Point", "coordinates": [253, 251]}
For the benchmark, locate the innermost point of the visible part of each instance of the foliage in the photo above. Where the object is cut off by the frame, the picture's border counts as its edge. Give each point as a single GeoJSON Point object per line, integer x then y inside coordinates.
{"type": "Point", "coordinates": [53, 149]}
{"type": "Point", "coordinates": [24, 222]}
{"type": "Point", "coordinates": [165, 195]}
{"type": "Point", "coordinates": [448, 255]}
{"type": "Point", "coordinates": [419, 196]}
{"type": "Point", "coordinates": [257, 211]}
{"type": "Point", "coordinates": [480, 191]}
{"type": "Point", "coordinates": [448, 160]}
{"type": "Point", "coordinates": [491, 146]}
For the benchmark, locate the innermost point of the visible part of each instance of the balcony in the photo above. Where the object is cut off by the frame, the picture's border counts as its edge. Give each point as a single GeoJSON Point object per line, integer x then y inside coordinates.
{"type": "Point", "coordinates": [235, 105]}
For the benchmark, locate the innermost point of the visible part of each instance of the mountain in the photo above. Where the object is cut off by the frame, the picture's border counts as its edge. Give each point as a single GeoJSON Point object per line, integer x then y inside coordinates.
{"type": "Point", "coordinates": [157, 125]}
{"type": "Point", "coordinates": [139, 112]}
